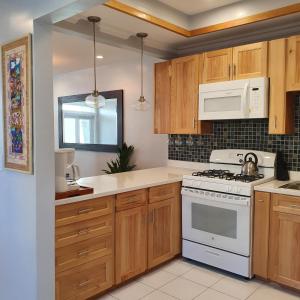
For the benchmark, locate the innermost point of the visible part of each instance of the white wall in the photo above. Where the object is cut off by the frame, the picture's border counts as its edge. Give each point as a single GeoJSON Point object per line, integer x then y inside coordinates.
{"type": "Point", "coordinates": [150, 149]}
{"type": "Point", "coordinates": [27, 201]}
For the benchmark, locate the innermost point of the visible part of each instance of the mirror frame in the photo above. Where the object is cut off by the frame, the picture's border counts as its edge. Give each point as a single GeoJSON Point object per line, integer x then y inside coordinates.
{"type": "Point", "coordinates": [117, 94]}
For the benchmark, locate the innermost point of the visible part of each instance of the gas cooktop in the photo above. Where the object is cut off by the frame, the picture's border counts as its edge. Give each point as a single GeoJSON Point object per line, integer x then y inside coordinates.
{"type": "Point", "coordinates": [227, 175]}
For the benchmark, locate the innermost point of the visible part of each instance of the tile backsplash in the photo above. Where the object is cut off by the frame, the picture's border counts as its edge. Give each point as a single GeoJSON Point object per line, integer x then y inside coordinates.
{"type": "Point", "coordinates": [238, 134]}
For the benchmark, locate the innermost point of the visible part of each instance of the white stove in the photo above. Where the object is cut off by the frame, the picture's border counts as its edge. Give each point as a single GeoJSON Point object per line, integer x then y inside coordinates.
{"type": "Point", "coordinates": [217, 207]}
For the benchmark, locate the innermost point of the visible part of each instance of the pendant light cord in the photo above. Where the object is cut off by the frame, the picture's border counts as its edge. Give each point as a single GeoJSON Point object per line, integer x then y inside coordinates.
{"type": "Point", "coordinates": [142, 66]}
{"type": "Point", "coordinates": [95, 75]}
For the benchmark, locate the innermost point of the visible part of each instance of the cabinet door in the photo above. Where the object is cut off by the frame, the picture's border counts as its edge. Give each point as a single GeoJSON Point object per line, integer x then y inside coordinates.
{"type": "Point", "coordinates": [160, 232]}
{"type": "Point", "coordinates": [217, 66]}
{"type": "Point", "coordinates": [131, 243]}
{"type": "Point", "coordinates": [162, 97]}
{"type": "Point", "coordinates": [261, 234]}
{"type": "Point", "coordinates": [184, 97]}
{"type": "Point", "coordinates": [281, 109]}
{"type": "Point", "coordinates": [250, 60]}
{"type": "Point", "coordinates": [293, 64]}
{"type": "Point", "coordinates": [284, 262]}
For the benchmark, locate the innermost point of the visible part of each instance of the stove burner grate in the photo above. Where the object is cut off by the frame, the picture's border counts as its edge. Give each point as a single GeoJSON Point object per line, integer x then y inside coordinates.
{"type": "Point", "coordinates": [227, 175]}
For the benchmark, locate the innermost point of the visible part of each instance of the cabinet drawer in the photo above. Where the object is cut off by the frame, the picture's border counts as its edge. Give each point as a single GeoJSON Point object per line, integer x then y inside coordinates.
{"type": "Point", "coordinates": [86, 280]}
{"type": "Point", "coordinates": [83, 252]}
{"type": "Point", "coordinates": [84, 210]}
{"type": "Point", "coordinates": [286, 204]}
{"type": "Point", "coordinates": [163, 192]}
{"type": "Point", "coordinates": [81, 231]}
{"type": "Point", "coordinates": [131, 199]}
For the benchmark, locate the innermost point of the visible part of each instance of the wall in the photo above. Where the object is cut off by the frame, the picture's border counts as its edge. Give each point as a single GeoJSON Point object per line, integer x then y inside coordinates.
{"type": "Point", "coordinates": [27, 201]}
{"type": "Point", "coordinates": [150, 149]}
{"type": "Point", "coordinates": [239, 134]}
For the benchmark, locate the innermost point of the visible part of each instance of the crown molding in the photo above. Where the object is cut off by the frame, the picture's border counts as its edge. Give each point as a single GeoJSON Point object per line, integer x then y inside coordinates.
{"type": "Point", "coordinates": [271, 14]}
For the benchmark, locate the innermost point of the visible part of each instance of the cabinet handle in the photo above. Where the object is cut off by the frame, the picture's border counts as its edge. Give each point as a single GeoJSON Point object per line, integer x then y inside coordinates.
{"type": "Point", "coordinates": [83, 283]}
{"type": "Point", "coordinates": [260, 200]}
{"type": "Point", "coordinates": [84, 210]}
{"type": "Point", "coordinates": [234, 70]}
{"type": "Point", "coordinates": [229, 70]}
{"type": "Point", "coordinates": [83, 231]}
{"type": "Point", "coordinates": [213, 253]}
{"type": "Point", "coordinates": [83, 252]}
{"type": "Point", "coordinates": [194, 123]}
{"type": "Point", "coordinates": [294, 206]}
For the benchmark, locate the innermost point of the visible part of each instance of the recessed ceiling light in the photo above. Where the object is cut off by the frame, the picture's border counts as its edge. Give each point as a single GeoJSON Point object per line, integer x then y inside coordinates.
{"type": "Point", "coordinates": [99, 56]}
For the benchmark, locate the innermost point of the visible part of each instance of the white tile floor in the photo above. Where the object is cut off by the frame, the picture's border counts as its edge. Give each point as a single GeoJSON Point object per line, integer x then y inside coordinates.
{"type": "Point", "coordinates": [185, 280]}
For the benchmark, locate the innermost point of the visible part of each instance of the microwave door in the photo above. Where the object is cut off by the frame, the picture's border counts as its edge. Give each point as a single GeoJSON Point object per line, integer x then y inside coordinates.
{"type": "Point", "coordinates": [227, 104]}
{"type": "Point", "coordinates": [245, 101]}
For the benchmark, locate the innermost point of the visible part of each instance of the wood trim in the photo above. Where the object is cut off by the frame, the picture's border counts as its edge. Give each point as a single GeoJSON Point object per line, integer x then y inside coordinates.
{"type": "Point", "coordinates": [271, 14]}
{"type": "Point", "coordinates": [129, 10]}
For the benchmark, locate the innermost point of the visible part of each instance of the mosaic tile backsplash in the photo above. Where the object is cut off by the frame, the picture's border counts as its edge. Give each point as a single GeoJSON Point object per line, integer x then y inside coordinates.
{"type": "Point", "coordinates": [238, 134]}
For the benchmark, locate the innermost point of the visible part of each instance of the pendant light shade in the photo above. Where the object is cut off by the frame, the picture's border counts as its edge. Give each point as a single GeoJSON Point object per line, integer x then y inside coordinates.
{"type": "Point", "coordinates": [142, 104]}
{"type": "Point", "coordinates": [95, 100]}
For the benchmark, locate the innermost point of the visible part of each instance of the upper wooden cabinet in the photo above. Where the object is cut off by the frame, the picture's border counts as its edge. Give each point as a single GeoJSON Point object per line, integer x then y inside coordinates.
{"type": "Point", "coordinates": [281, 104]}
{"type": "Point", "coordinates": [162, 98]}
{"type": "Point", "coordinates": [240, 62]}
{"type": "Point", "coordinates": [293, 64]}
{"type": "Point", "coordinates": [284, 259]}
{"type": "Point", "coordinates": [217, 66]}
{"type": "Point", "coordinates": [250, 61]}
{"type": "Point", "coordinates": [176, 97]}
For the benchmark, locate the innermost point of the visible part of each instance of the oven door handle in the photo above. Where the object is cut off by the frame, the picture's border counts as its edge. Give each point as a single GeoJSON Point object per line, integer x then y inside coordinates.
{"type": "Point", "coordinates": [202, 200]}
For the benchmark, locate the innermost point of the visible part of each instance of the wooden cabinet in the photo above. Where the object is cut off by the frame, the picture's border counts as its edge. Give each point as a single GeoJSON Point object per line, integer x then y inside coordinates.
{"type": "Point", "coordinates": [281, 104]}
{"type": "Point", "coordinates": [106, 241]}
{"type": "Point", "coordinates": [163, 74]}
{"type": "Point", "coordinates": [131, 238]}
{"type": "Point", "coordinates": [84, 255]}
{"type": "Point", "coordinates": [164, 228]}
{"type": "Point", "coordinates": [85, 280]}
{"type": "Point", "coordinates": [250, 61]}
{"type": "Point", "coordinates": [261, 234]}
{"type": "Point", "coordinates": [284, 257]}
{"type": "Point", "coordinates": [240, 62]}
{"type": "Point", "coordinates": [293, 64]}
{"type": "Point", "coordinates": [176, 97]}
{"type": "Point", "coordinates": [217, 66]}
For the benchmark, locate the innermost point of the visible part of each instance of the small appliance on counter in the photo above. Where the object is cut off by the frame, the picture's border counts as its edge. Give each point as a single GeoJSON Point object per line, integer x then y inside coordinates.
{"type": "Point", "coordinates": [64, 159]}
{"type": "Point", "coordinates": [281, 169]}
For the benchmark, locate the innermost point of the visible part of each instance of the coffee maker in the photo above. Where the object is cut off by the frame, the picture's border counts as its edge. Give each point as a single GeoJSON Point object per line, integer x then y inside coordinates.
{"type": "Point", "coordinates": [64, 160]}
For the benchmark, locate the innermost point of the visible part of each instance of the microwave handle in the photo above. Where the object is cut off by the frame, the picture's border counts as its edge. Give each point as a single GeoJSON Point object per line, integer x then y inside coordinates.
{"type": "Point", "coordinates": [245, 104]}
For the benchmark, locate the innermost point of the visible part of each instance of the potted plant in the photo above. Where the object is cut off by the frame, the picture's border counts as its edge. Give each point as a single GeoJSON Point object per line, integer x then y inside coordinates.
{"type": "Point", "coordinates": [122, 163]}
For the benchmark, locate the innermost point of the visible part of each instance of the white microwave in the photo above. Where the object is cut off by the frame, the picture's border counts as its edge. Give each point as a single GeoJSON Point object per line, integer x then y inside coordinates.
{"type": "Point", "coordinates": [235, 99]}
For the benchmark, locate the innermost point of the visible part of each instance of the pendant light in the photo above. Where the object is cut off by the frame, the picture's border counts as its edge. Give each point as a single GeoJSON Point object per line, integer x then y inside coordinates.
{"type": "Point", "coordinates": [95, 100]}
{"type": "Point", "coordinates": [142, 104]}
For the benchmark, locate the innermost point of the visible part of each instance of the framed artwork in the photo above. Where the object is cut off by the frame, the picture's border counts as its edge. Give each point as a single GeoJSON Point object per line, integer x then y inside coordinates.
{"type": "Point", "coordinates": [17, 105]}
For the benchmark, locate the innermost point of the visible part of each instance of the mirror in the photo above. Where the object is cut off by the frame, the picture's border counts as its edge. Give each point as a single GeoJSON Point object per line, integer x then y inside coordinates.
{"type": "Point", "coordinates": [85, 128]}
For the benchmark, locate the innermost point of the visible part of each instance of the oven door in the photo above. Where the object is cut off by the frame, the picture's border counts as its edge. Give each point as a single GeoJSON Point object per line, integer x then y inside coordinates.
{"type": "Point", "coordinates": [218, 220]}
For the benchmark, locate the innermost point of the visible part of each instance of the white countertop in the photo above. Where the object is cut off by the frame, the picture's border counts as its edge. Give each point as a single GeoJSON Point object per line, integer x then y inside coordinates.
{"type": "Point", "coordinates": [274, 186]}
{"type": "Point", "coordinates": [105, 185]}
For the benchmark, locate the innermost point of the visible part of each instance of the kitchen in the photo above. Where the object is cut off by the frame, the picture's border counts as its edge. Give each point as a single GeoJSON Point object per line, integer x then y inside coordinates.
{"type": "Point", "coordinates": [202, 211]}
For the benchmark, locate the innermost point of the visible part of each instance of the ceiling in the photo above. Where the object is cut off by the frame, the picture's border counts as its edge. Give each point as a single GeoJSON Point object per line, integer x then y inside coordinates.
{"type": "Point", "coordinates": [72, 53]}
{"type": "Point", "coordinates": [192, 7]}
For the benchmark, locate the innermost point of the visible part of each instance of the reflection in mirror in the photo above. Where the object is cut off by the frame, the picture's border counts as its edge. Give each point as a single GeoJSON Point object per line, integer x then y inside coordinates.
{"type": "Point", "coordinates": [86, 128]}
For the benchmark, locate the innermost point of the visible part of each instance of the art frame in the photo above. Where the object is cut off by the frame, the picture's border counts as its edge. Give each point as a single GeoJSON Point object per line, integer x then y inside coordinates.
{"type": "Point", "coordinates": [17, 105]}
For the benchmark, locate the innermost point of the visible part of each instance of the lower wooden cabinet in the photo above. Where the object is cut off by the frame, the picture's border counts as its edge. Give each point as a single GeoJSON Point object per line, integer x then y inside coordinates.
{"type": "Point", "coordinates": [85, 280]}
{"type": "Point", "coordinates": [131, 243]}
{"type": "Point", "coordinates": [276, 246]}
{"type": "Point", "coordinates": [103, 242]}
{"type": "Point", "coordinates": [284, 257]}
{"type": "Point", "coordinates": [261, 234]}
{"type": "Point", "coordinates": [160, 232]}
